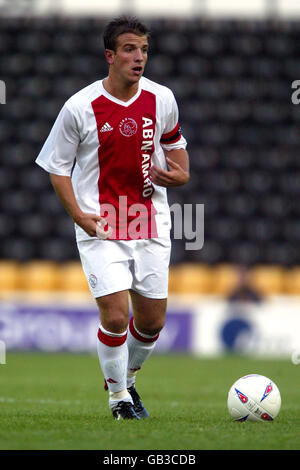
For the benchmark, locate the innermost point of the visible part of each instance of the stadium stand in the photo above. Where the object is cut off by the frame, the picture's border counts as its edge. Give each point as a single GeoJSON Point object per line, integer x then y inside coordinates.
{"type": "Point", "coordinates": [267, 280]}
{"type": "Point", "coordinates": [191, 278]}
{"type": "Point", "coordinates": [39, 275]}
{"type": "Point", "coordinates": [9, 275]}
{"type": "Point", "coordinates": [71, 278]}
{"type": "Point", "coordinates": [232, 80]}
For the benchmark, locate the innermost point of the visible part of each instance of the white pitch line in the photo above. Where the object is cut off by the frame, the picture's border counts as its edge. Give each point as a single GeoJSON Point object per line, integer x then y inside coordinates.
{"type": "Point", "coordinates": [41, 401]}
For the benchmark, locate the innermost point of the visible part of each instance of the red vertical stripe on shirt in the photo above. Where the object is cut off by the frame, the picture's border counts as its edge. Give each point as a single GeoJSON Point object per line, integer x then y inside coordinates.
{"type": "Point", "coordinates": [126, 143]}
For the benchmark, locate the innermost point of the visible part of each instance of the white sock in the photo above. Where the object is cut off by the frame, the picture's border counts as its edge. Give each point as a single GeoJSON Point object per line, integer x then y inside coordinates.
{"type": "Point", "coordinates": [140, 346]}
{"type": "Point", "coordinates": [113, 357]}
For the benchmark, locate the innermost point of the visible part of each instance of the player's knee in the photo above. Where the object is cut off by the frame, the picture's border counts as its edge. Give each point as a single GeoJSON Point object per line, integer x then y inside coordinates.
{"type": "Point", "coordinates": [153, 328]}
{"type": "Point", "coordinates": [116, 323]}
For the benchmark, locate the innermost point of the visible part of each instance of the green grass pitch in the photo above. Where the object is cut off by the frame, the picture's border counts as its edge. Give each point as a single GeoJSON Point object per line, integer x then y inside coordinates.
{"type": "Point", "coordinates": [57, 401]}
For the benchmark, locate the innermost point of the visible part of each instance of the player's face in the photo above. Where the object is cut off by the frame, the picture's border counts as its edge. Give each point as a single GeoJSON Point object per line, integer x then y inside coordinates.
{"type": "Point", "coordinates": [130, 57]}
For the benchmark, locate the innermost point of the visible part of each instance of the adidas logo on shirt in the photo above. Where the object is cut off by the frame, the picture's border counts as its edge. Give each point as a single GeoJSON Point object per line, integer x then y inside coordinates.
{"type": "Point", "coordinates": [106, 127]}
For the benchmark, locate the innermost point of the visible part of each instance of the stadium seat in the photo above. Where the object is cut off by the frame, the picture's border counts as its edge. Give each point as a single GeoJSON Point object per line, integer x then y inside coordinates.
{"type": "Point", "coordinates": [231, 66]}
{"type": "Point", "coordinates": [207, 44]}
{"type": "Point", "coordinates": [48, 202]}
{"type": "Point", "coordinates": [36, 87]}
{"type": "Point", "coordinates": [51, 64]}
{"type": "Point", "coordinates": [18, 248]}
{"type": "Point", "coordinates": [7, 179]}
{"type": "Point", "coordinates": [9, 275]}
{"type": "Point", "coordinates": [292, 281]}
{"type": "Point", "coordinates": [212, 88]}
{"type": "Point", "coordinates": [261, 229]}
{"type": "Point", "coordinates": [285, 253]}
{"type": "Point", "coordinates": [191, 278]}
{"type": "Point", "coordinates": [245, 89]}
{"type": "Point", "coordinates": [39, 276]}
{"type": "Point", "coordinates": [71, 277]}
{"type": "Point", "coordinates": [289, 183]}
{"type": "Point", "coordinates": [237, 158]}
{"type": "Point", "coordinates": [241, 205]}
{"type": "Point", "coordinates": [173, 44]}
{"type": "Point", "coordinates": [291, 230]}
{"type": "Point", "coordinates": [233, 111]}
{"type": "Point", "coordinates": [18, 201]}
{"type": "Point", "coordinates": [162, 66]}
{"type": "Point", "coordinates": [265, 67]}
{"type": "Point", "coordinates": [267, 280]}
{"type": "Point", "coordinates": [178, 252]}
{"type": "Point", "coordinates": [35, 226]}
{"type": "Point", "coordinates": [273, 159]}
{"type": "Point", "coordinates": [67, 41]}
{"type": "Point", "coordinates": [279, 46]}
{"type": "Point", "coordinates": [212, 252]}
{"type": "Point", "coordinates": [276, 206]}
{"type": "Point", "coordinates": [197, 68]}
{"type": "Point", "coordinates": [199, 112]}
{"type": "Point", "coordinates": [49, 109]}
{"type": "Point", "coordinates": [7, 225]}
{"type": "Point", "coordinates": [33, 43]}
{"type": "Point", "coordinates": [277, 90]}
{"type": "Point", "coordinates": [246, 45]}
{"type": "Point", "coordinates": [57, 248]}
{"type": "Point", "coordinates": [258, 181]}
{"type": "Point", "coordinates": [174, 279]}
{"type": "Point", "coordinates": [225, 279]}
{"type": "Point", "coordinates": [67, 86]}
{"type": "Point", "coordinates": [17, 155]}
{"type": "Point", "coordinates": [21, 108]}
{"type": "Point", "coordinates": [245, 252]}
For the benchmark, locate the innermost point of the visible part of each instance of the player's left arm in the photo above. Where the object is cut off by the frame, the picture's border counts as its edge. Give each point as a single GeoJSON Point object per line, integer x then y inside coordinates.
{"type": "Point", "coordinates": [178, 172]}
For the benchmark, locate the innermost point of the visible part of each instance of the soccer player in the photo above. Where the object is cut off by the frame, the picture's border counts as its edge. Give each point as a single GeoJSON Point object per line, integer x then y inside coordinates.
{"type": "Point", "coordinates": [115, 147]}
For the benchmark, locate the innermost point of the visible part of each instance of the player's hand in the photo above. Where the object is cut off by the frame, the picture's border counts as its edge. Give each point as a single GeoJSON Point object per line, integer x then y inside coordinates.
{"type": "Point", "coordinates": [88, 222]}
{"type": "Point", "coordinates": [175, 176]}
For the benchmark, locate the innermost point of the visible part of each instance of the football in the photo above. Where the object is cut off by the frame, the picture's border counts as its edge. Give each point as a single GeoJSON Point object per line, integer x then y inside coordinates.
{"type": "Point", "coordinates": [254, 398]}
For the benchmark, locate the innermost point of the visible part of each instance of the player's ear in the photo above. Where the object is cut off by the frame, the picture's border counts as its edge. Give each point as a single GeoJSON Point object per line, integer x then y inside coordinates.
{"type": "Point", "coordinates": [109, 55]}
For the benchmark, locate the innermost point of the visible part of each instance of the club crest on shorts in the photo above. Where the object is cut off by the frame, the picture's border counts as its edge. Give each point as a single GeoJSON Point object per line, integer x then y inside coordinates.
{"type": "Point", "coordinates": [93, 280]}
{"type": "Point", "coordinates": [128, 127]}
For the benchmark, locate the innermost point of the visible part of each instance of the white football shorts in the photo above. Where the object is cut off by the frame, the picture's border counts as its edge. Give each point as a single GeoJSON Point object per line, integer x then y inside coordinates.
{"type": "Point", "coordinates": [117, 265]}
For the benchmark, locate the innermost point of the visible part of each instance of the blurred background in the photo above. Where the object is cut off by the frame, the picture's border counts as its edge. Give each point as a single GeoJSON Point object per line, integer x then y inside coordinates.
{"type": "Point", "coordinates": [231, 66]}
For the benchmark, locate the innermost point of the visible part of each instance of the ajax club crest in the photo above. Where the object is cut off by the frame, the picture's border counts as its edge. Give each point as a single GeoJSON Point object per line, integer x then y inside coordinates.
{"type": "Point", "coordinates": [128, 127]}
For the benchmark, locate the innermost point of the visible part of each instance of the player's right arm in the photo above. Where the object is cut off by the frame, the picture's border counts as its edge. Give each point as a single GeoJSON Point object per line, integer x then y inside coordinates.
{"type": "Point", "coordinates": [64, 190]}
{"type": "Point", "coordinates": [57, 157]}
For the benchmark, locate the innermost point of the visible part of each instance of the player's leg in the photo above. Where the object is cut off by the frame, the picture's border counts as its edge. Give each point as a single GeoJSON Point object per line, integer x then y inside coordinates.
{"type": "Point", "coordinates": [106, 266]}
{"type": "Point", "coordinates": [145, 325]}
{"type": "Point", "coordinates": [149, 314]}
{"type": "Point", "coordinates": [112, 348]}
{"type": "Point", "coordinates": [149, 302]}
{"type": "Point", "coordinates": [111, 345]}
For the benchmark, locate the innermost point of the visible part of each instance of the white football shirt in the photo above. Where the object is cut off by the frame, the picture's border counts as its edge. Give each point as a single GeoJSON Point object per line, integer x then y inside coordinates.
{"type": "Point", "coordinates": [107, 146]}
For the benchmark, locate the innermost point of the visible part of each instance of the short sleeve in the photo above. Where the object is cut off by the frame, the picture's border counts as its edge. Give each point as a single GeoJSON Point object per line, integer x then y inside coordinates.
{"type": "Point", "coordinates": [59, 150]}
{"type": "Point", "coordinates": [172, 137]}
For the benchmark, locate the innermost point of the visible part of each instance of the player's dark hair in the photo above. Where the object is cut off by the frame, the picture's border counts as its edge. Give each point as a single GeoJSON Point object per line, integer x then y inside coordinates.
{"type": "Point", "coordinates": [122, 24]}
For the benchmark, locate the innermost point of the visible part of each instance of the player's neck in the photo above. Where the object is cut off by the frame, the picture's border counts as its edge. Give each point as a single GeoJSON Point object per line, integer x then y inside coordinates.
{"type": "Point", "coordinates": [120, 90]}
